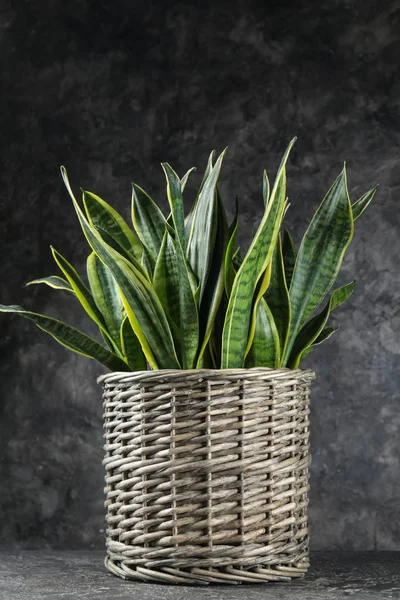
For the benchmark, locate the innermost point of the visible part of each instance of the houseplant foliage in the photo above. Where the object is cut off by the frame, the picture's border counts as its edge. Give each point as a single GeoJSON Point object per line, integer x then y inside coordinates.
{"type": "Point", "coordinates": [173, 292]}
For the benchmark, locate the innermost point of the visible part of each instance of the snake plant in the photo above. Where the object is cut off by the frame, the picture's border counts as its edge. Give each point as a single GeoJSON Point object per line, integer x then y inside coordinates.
{"type": "Point", "coordinates": [172, 291]}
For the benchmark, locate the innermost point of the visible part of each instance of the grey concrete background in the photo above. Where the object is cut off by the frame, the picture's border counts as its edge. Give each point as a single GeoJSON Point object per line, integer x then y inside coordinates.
{"type": "Point", "coordinates": [112, 89]}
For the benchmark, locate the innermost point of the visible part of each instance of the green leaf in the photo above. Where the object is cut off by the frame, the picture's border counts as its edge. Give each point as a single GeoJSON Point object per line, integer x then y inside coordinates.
{"type": "Point", "coordinates": [149, 222]}
{"type": "Point", "coordinates": [140, 265]}
{"type": "Point", "coordinates": [71, 338]}
{"type": "Point", "coordinates": [81, 291]}
{"type": "Point", "coordinates": [265, 350]}
{"type": "Point", "coordinates": [229, 269]}
{"type": "Point", "coordinates": [188, 315]}
{"type": "Point", "coordinates": [189, 318]}
{"type": "Point", "coordinates": [289, 256]}
{"type": "Point", "coordinates": [189, 218]}
{"type": "Point", "coordinates": [214, 288]}
{"type": "Point", "coordinates": [207, 359]}
{"type": "Point", "coordinates": [147, 265]}
{"type": "Point", "coordinates": [172, 285]}
{"type": "Point", "coordinates": [108, 222]}
{"type": "Point", "coordinates": [320, 256]}
{"type": "Point", "coordinates": [166, 284]}
{"type": "Point", "coordinates": [362, 203]}
{"type": "Point", "coordinates": [238, 315]}
{"type": "Point", "coordinates": [324, 335]}
{"type": "Point", "coordinates": [215, 343]}
{"type": "Point", "coordinates": [175, 200]}
{"type": "Point", "coordinates": [100, 214]}
{"type": "Point", "coordinates": [266, 188]}
{"type": "Point", "coordinates": [277, 295]}
{"type": "Point", "coordinates": [237, 259]}
{"type": "Point", "coordinates": [204, 227]}
{"type": "Point", "coordinates": [106, 296]}
{"type": "Point", "coordinates": [131, 348]}
{"type": "Point", "coordinates": [58, 283]}
{"type": "Point", "coordinates": [141, 304]}
{"type": "Point", "coordinates": [314, 327]}
{"type": "Point", "coordinates": [185, 178]}
{"type": "Point", "coordinates": [261, 290]}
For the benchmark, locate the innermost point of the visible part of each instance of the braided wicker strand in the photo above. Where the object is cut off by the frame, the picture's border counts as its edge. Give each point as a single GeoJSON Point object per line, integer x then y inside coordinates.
{"type": "Point", "coordinates": [207, 474]}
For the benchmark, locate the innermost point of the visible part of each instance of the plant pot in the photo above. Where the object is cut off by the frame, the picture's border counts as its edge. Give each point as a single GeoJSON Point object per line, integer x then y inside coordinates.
{"type": "Point", "coordinates": [207, 474]}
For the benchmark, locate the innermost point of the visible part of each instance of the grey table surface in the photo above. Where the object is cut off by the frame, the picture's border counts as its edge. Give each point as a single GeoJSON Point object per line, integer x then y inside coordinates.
{"type": "Point", "coordinates": [39, 575]}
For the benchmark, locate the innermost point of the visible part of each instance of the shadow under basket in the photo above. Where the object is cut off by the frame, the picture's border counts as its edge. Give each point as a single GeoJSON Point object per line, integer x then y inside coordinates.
{"type": "Point", "coordinates": [207, 475]}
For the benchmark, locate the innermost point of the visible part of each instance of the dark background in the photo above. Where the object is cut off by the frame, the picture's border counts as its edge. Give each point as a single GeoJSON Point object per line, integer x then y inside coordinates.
{"type": "Point", "coordinates": [111, 89]}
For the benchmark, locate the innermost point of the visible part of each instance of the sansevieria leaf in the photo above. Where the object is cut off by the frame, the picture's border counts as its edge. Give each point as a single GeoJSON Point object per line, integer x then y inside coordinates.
{"type": "Point", "coordinates": [188, 311]}
{"type": "Point", "coordinates": [325, 334]}
{"type": "Point", "coordinates": [237, 258]}
{"type": "Point", "coordinates": [189, 217]}
{"type": "Point", "coordinates": [362, 203]}
{"type": "Point", "coordinates": [229, 269]}
{"type": "Point", "coordinates": [237, 320]}
{"type": "Point", "coordinates": [320, 256]}
{"type": "Point", "coordinates": [106, 295]}
{"type": "Point", "coordinates": [185, 178]}
{"type": "Point", "coordinates": [214, 288]}
{"type": "Point", "coordinates": [265, 348]}
{"type": "Point", "coordinates": [140, 265]}
{"type": "Point", "coordinates": [277, 295]}
{"type": "Point", "coordinates": [261, 291]}
{"type": "Point", "coordinates": [266, 188]}
{"type": "Point", "coordinates": [314, 327]}
{"type": "Point", "coordinates": [71, 338]}
{"type": "Point", "coordinates": [204, 228]}
{"type": "Point", "coordinates": [146, 265]}
{"type": "Point", "coordinates": [53, 281]}
{"type": "Point", "coordinates": [166, 284]}
{"type": "Point", "coordinates": [289, 254]}
{"type": "Point", "coordinates": [131, 348]}
{"type": "Point", "coordinates": [81, 291]}
{"type": "Point", "coordinates": [141, 303]}
{"type": "Point", "coordinates": [175, 199]}
{"type": "Point", "coordinates": [149, 222]}
{"type": "Point", "coordinates": [189, 320]}
{"type": "Point", "coordinates": [105, 219]}
{"type": "Point", "coordinates": [101, 214]}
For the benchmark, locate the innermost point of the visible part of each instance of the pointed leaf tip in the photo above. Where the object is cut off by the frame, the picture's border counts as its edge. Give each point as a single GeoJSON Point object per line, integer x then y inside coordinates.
{"type": "Point", "coordinates": [71, 338]}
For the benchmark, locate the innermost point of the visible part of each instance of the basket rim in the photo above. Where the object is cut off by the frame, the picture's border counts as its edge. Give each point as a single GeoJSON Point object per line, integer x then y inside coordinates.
{"type": "Point", "coordinates": [203, 373]}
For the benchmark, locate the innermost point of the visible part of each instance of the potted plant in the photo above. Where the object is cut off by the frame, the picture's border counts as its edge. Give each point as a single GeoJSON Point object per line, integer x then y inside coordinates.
{"type": "Point", "coordinates": [206, 408]}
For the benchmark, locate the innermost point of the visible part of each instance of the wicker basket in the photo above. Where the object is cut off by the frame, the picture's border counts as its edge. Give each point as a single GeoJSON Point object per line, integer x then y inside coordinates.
{"type": "Point", "coordinates": [207, 475]}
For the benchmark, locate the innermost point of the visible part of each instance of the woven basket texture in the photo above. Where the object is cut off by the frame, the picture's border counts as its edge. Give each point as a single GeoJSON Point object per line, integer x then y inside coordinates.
{"type": "Point", "coordinates": [207, 474]}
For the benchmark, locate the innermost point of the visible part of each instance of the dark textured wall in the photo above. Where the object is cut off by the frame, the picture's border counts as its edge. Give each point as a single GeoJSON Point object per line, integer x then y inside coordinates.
{"type": "Point", "coordinates": [110, 89]}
